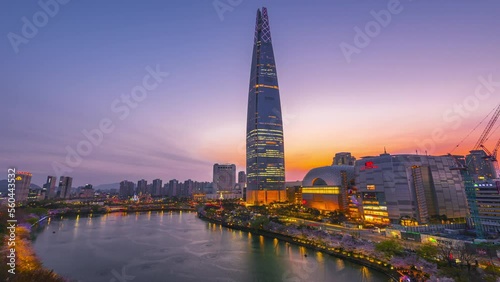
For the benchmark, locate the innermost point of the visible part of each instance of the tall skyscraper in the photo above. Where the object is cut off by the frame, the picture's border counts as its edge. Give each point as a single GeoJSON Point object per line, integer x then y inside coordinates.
{"type": "Point", "coordinates": [265, 147]}
{"type": "Point", "coordinates": [50, 187]}
{"type": "Point", "coordinates": [65, 187]}
{"type": "Point", "coordinates": [23, 182]}
{"type": "Point", "coordinates": [224, 177]}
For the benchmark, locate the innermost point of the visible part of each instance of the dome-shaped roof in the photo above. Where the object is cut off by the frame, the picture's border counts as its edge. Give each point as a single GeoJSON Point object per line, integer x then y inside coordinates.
{"type": "Point", "coordinates": [327, 175]}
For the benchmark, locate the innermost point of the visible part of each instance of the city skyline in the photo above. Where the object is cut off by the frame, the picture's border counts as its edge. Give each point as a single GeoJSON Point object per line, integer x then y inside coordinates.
{"type": "Point", "coordinates": [426, 64]}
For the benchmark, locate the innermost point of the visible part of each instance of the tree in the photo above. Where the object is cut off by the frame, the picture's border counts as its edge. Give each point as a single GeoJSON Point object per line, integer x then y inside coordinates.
{"type": "Point", "coordinates": [467, 254]}
{"type": "Point", "coordinates": [259, 222]}
{"type": "Point", "coordinates": [314, 212]}
{"type": "Point", "coordinates": [348, 243]}
{"type": "Point", "coordinates": [37, 210]}
{"type": "Point", "coordinates": [445, 250]}
{"type": "Point", "coordinates": [427, 252]}
{"type": "Point", "coordinates": [389, 248]}
{"type": "Point", "coordinates": [337, 217]}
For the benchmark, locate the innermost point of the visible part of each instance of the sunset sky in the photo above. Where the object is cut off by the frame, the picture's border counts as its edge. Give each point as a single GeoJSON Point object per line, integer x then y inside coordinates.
{"type": "Point", "coordinates": [424, 74]}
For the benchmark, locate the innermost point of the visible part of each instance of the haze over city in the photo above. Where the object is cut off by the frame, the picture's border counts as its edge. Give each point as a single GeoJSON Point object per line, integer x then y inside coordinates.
{"type": "Point", "coordinates": [417, 78]}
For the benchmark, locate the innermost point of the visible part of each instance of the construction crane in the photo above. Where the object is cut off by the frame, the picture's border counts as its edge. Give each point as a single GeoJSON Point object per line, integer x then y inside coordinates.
{"type": "Point", "coordinates": [492, 156]}
{"type": "Point", "coordinates": [470, 189]}
{"type": "Point", "coordinates": [489, 126]}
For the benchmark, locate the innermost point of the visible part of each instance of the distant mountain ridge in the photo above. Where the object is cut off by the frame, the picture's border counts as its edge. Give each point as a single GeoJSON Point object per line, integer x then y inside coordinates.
{"type": "Point", "coordinates": [4, 186]}
{"type": "Point", "coordinates": [107, 186]}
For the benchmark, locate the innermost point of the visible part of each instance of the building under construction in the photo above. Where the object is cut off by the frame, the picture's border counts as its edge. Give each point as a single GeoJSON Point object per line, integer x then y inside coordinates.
{"type": "Point", "coordinates": [482, 187]}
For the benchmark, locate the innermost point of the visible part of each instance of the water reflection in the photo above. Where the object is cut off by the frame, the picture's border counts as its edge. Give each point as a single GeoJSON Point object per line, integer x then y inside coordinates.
{"type": "Point", "coordinates": [154, 246]}
{"type": "Point", "coordinates": [365, 274]}
{"type": "Point", "coordinates": [340, 264]}
{"type": "Point", "coordinates": [75, 229]}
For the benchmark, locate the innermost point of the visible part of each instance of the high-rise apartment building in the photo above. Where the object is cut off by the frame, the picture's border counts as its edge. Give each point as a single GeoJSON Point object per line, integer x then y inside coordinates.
{"type": "Point", "coordinates": [142, 187]}
{"type": "Point", "coordinates": [65, 183]}
{"type": "Point", "coordinates": [173, 188]}
{"type": "Point", "coordinates": [50, 187]}
{"type": "Point", "coordinates": [156, 189]}
{"type": "Point", "coordinates": [126, 189]}
{"type": "Point", "coordinates": [23, 182]}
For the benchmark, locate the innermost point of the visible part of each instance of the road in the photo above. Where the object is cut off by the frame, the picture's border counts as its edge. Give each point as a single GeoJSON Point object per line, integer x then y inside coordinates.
{"type": "Point", "coordinates": [366, 234]}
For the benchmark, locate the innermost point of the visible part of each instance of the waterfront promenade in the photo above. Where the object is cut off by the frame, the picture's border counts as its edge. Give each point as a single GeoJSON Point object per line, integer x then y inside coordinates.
{"type": "Point", "coordinates": [361, 259]}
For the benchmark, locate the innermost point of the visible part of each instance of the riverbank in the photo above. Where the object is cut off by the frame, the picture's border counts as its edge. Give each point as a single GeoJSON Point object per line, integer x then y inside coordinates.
{"type": "Point", "coordinates": [359, 259]}
{"type": "Point", "coordinates": [23, 264]}
{"type": "Point", "coordinates": [174, 246]}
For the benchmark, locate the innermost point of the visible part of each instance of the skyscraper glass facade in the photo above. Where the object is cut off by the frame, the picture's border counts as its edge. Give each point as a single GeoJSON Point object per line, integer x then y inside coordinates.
{"type": "Point", "coordinates": [265, 151]}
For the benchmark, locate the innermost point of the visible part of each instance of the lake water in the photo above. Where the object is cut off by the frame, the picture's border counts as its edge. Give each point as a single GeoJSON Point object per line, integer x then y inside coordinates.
{"type": "Point", "coordinates": [178, 246]}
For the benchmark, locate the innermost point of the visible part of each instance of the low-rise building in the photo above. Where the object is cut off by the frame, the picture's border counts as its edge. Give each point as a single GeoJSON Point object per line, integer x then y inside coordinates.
{"type": "Point", "coordinates": [326, 188]}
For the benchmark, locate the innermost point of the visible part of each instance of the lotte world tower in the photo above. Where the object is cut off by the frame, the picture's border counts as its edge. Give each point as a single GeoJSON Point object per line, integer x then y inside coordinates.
{"type": "Point", "coordinates": [265, 148]}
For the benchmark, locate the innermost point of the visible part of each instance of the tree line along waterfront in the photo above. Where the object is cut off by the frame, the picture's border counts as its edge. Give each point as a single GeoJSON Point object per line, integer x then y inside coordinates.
{"type": "Point", "coordinates": [290, 223]}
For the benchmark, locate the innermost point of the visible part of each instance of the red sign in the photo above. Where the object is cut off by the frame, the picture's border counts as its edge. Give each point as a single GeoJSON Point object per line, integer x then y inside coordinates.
{"type": "Point", "coordinates": [369, 165]}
